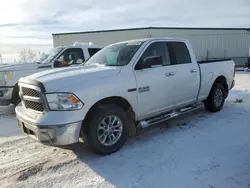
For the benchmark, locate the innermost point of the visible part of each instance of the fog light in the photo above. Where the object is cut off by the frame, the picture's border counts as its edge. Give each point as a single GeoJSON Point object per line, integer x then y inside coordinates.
{"type": "Point", "coordinates": [44, 136]}
{"type": "Point", "coordinates": [47, 133]}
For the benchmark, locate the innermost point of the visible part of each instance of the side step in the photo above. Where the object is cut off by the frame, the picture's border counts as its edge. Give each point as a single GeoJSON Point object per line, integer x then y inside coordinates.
{"type": "Point", "coordinates": [167, 116]}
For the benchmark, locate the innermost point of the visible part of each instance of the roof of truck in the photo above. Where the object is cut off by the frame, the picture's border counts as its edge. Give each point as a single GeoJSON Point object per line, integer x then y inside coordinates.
{"type": "Point", "coordinates": [82, 44]}
{"type": "Point", "coordinates": [151, 39]}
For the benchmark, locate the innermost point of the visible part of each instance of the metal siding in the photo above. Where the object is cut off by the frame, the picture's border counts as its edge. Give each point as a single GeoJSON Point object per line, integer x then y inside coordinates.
{"type": "Point", "coordinates": [206, 43]}
{"type": "Point", "coordinates": [104, 38]}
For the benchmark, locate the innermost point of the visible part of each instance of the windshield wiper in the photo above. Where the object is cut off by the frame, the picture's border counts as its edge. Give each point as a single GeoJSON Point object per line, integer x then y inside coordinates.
{"type": "Point", "coordinates": [114, 65]}
{"type": "Point", "coordinates": [109, 65]}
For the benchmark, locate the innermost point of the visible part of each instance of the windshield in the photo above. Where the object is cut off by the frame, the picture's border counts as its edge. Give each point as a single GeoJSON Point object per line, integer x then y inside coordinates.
{"type": "Point", "coordinates": [116, 54]}
{"type": "Point", "coordinates": [51, 54]}
{"type": "Point", "coordinates": [43, 56]}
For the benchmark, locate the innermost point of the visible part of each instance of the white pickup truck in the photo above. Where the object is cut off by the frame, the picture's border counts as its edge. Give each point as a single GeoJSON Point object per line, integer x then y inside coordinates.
{"type": "Point", "coordinates": [58, 57]}
{"type": "Point", "coordinates": [121, 88]}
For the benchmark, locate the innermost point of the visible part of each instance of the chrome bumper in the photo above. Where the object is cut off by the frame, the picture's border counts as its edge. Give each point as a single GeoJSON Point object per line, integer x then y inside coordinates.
{"type": "Point", "coordinates": [5, 95]}
{"type": "Point", "coordinates": [64, 134]}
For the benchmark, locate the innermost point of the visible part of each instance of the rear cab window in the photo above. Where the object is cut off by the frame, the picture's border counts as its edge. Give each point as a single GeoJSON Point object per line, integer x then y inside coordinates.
{"type": "Point", "coordinates": [92, 51]}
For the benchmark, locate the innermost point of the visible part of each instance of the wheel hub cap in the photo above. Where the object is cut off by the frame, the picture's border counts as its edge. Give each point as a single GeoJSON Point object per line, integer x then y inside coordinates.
{"type": "Point", "coordinates": [218, 97]}
{"type": "Point", "coordinates": [110, 130]}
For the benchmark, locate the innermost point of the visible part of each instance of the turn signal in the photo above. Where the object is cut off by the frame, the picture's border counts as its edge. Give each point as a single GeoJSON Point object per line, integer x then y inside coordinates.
{"type": "Point", "coordinates": [74, 99]}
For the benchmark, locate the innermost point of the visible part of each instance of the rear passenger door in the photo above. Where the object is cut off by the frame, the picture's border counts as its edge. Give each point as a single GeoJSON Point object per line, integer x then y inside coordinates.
{"type": "Point", "coordinates": [184, 73]}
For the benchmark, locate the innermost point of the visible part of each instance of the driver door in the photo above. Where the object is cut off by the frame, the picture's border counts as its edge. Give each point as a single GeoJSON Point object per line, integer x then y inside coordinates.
{"type": "Point", "coordinates": [154, 89]}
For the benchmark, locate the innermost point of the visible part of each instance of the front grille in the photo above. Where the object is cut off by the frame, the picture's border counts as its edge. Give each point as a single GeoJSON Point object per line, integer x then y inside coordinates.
{"type": "Point", "coordinates": [35, 97]}
{"type": "Point", "coordinates": [30, 92]}
{"type": "Point", "coordinates": [34, 105]}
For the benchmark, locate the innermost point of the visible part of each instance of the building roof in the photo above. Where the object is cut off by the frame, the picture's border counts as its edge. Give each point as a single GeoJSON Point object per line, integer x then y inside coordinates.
{"type": "Point", "coordinates": [145, 28]}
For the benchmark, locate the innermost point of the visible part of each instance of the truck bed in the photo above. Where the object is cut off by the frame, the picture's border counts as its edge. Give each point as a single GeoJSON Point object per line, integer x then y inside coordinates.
{"type": "Point", "coordinates": [210, 70]}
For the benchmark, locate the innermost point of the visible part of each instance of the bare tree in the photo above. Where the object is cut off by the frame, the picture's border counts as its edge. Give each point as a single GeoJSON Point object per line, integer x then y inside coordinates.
{"type": "Point", "coordinates": [31, 55]}
{"type": "Point", "coordinates": [23, 56]}
{"type": "Point", "coordinates": [27, 56]}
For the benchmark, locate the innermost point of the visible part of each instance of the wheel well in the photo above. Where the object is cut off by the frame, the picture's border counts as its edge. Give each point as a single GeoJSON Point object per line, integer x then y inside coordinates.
{"type": "Point", "coordinates": [15, 93]}
{"type": "Point", "coordinates": [119, 101]}
{"type": "Point", "coordinates": [222, 80]}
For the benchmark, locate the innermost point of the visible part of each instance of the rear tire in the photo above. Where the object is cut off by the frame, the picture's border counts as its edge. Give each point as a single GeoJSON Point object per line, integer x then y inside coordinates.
{"type": "Point", "coordinates": [103, 137]}
{"type": "Point", "coordinates": [216, 98]}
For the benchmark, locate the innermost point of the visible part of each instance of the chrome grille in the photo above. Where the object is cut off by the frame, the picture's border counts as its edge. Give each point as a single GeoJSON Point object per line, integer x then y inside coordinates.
{"type": "Point", "coordinates": [31, 98]}
{"type": "Point", "coordinates": [30, 92]}
{"type": "Point", "coordinates": [34, 105]}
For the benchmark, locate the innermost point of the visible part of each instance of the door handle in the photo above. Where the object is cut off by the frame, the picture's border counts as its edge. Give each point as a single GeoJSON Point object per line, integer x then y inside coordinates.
{"type": "Point", "coordinates": [170, 74]}
{"type": "Point", "coordinates": [193, 70]}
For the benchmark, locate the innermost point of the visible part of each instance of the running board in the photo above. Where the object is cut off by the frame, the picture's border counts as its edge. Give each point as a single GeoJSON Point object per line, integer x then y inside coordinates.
{"type": "Point", "coordinates": [167, 116]}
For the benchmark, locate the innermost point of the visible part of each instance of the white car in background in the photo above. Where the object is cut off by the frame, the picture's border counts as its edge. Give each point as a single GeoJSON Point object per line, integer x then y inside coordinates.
{"type": "Point", "coordinates": [62, 56]}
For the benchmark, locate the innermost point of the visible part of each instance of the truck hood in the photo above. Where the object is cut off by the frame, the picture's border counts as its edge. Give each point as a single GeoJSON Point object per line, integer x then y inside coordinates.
{"type": "Point", "coordinates": [56, 79]}
{"type": "Point", "coordinates": [19, 67]}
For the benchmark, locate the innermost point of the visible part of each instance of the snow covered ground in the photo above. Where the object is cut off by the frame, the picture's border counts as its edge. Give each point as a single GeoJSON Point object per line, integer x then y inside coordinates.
{"type": "Point", "coordinates": [200, 149]}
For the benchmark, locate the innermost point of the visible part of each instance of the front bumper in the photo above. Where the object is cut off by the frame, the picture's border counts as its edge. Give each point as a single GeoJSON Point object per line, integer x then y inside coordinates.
{"type": "Point", "coordinates": [5, 95]}
{"type": "Point", "coordinates": [62, 134]}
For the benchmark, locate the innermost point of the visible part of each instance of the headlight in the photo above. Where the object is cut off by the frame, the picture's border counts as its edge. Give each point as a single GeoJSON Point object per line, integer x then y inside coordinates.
{"type": "Point", "coordinates": [63, 101]}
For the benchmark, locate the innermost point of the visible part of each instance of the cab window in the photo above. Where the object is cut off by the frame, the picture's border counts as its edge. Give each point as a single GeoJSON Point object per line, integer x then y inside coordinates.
{"type": "Point", "coordinates": [69, 57]}
{"type": "Point", "coordinates": [159, 49]}
{"type": "Point", "coordinates": [92, 51]}
{"type": "Point", "coordinates": [179, 53]}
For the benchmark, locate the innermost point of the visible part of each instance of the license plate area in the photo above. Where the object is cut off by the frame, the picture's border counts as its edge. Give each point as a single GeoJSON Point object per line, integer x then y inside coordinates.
{"type": "Point", "coordinates": [25, 128]}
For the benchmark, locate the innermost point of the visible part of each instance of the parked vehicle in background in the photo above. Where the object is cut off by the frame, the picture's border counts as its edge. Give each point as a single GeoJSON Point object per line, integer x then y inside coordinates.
{"type": "Point", "coordinates": [62, 56]}
{"type": "Point", "coordinates": [246, 65]}
{"type": "Point", "coordinates": [123, 87]}
{"type": "Point", "coordinates": [248, 60]}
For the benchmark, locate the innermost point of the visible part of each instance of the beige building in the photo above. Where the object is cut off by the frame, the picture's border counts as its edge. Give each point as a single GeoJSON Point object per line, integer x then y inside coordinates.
{"type": "Point", "coordinates": [208, 43]}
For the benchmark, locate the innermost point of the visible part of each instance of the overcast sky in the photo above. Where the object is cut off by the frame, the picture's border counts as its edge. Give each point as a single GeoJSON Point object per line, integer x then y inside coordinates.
{"type": "Point", "coordinates": [27, 23]}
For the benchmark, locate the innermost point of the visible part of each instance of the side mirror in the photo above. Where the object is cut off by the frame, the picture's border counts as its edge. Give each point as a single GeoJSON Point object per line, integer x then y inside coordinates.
{"type": "Point", "coordinates": [149, 62]}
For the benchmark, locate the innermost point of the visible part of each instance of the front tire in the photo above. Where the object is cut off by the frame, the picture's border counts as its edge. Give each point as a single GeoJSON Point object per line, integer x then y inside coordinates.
{"type": "Point", "coordinates": [108, 130]}
{"type": "Point", "coordinates": [216, 98]}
